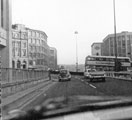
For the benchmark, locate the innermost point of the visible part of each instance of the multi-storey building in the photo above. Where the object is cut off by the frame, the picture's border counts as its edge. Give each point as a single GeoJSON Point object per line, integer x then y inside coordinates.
{"type": "Point", "coordinates": [30, 48]}
{"type": "Point", "coordinates": [96, 49]}
{"type": "Point", "coordinates": [19, 46]}
{"type": "Point", "coordinates": [53, 58]}
{"type": "Point", "coordinates": [38, 49]}
{"type": "Point", "coordinates": [5, 34]}
{"type": "Point", "coordinates": [124, 44]}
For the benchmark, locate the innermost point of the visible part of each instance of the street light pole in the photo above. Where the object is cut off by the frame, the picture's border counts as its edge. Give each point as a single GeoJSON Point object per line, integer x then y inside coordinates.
{"type": "Point", "coordinates": [76, 52]}
{"type": "Point", "coordinates": [115, 36]}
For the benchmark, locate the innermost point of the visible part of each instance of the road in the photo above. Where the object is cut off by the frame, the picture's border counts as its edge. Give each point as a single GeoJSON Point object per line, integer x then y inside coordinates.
{"type": "Point", "coordinates": [81, 86]}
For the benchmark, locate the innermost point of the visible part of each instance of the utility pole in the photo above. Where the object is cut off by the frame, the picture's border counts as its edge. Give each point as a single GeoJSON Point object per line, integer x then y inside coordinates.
{"type": "Point", "coordinates": [116, 65]}
{"type": "Point", "coordinates": [76, 52]}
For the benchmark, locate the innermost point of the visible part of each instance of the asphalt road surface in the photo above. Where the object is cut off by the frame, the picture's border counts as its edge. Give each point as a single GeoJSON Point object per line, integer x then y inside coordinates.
{"type": "Point", "coordinates": [81, 86]}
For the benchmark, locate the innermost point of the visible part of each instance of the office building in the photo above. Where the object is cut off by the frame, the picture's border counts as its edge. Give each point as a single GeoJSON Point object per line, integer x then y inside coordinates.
{"type": "Point", "coordinates": [124, 45]}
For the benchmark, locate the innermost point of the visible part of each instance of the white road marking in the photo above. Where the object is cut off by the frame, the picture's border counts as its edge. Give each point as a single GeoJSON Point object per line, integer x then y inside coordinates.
{"type": "Point", "coordinates": [92, 85]}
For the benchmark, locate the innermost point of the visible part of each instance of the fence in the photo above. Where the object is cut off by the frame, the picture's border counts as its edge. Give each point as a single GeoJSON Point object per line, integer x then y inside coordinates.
{"type": "Point", "coordinates": [13, 75]}
{"type": "Point", "coordinates": [14, 80]}
{"type": "Point", "coordinates": [121, 75]}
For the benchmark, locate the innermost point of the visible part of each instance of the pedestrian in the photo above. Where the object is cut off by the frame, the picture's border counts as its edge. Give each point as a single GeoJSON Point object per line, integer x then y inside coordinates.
{"type": "Point", "coordinates": [49, 73]}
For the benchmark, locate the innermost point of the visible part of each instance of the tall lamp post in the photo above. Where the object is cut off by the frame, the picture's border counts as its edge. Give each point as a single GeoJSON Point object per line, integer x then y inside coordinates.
{"type": "Point", "coordinates": [116, 64]}
{"type": "Point", "coordinates": [76, 52]}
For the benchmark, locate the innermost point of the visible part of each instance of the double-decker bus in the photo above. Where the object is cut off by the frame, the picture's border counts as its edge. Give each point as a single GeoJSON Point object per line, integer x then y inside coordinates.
{"type": "Point", "coordinates": [106, 63]}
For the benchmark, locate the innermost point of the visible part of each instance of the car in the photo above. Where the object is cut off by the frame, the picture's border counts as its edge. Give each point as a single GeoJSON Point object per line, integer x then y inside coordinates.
{"type": "Point", "coordinates": [64, 75]}
{"type": "Point", "coordinates": [93, 74]}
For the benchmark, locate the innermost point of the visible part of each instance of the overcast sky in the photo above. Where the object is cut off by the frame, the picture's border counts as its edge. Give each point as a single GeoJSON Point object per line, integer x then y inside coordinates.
{"type": "Point", "coordinates": [59, 19]}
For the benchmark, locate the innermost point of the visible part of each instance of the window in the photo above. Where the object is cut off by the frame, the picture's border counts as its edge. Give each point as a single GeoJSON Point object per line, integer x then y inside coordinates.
{"type": "Point", "coordinates": [19, 52]}
{"type": "Point", "coordinates": [13, 64]}
{"type": "Point", "coordinates": [13, 51]}
{"type": "Point", "coordinates": [24, 52]}
{"type": "Point", "coordinates": [24, 45]}
{"type": "Point", "coordinates": [18, 64]}
{"type": "Point", "coordinates": [111, 42]}
{"type": "Point", "coordinates": [123, 43]}
{"type": "Point", "coordinates": [29, 40]}
{"type": "Point", "coordinates": [30, 62]}
{"type": "Point", "coordinates": [119, 42]}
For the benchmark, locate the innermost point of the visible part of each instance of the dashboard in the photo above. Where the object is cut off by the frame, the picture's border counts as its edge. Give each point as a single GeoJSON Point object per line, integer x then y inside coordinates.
{"type": "Point", "coordinates": [124, 113]}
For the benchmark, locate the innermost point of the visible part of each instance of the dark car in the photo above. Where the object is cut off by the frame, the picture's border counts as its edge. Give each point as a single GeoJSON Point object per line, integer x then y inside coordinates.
{"type": "Point", "coordinates": [64, 75]}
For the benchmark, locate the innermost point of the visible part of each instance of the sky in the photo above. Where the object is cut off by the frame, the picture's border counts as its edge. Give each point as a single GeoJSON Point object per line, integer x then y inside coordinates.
{"type": "Point", "coordinates": [59, 19]}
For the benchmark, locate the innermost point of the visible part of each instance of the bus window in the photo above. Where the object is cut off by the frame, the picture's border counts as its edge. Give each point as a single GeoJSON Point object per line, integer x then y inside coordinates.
{"type": "Point", "coordinates": [127, 60]}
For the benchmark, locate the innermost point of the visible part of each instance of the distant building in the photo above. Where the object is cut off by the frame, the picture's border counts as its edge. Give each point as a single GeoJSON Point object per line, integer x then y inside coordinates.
{"type": "Point", "coordinates": [5, 34]}
{"type": "Point", "coordinates": [124, 45]}
{"type": "Point", "coordinates": [29, 48]}
{"type": "Point", "coordinates": [96, 49]}
{"type": "Point", "coordinates": [53, 58]}
{"type": "Point", "coordinates": [38, 49]}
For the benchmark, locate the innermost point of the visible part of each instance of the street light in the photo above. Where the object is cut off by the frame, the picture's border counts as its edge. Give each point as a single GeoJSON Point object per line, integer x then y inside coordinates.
{"type": "Point", "coordinates": [115, 37]}
{"type": "Point", "coordinates": [76, 52]}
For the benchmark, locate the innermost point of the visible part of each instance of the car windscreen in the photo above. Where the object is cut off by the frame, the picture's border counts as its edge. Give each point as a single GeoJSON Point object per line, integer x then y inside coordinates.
{"type": "Point", "coordinates": [63, 72]}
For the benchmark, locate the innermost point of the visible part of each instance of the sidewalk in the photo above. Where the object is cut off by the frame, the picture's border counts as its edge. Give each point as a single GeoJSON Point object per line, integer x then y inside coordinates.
{"type": "Point", "coordinates": [9, 99]}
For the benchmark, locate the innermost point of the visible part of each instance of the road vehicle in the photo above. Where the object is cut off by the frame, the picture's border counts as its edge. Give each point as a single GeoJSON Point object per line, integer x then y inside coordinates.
{"type": "Point", "coordinates": [64, 75]}
{"type": "Point", "coordinates": [78, 108]}
{"type": "Point", "coordinates": [106, 62]}
{"type": "Point", "coordinates": [94, 74]}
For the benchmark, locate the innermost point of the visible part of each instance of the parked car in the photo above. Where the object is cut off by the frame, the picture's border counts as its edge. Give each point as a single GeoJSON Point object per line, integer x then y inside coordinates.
{"type": "Point", "coordinates": [64, 75]}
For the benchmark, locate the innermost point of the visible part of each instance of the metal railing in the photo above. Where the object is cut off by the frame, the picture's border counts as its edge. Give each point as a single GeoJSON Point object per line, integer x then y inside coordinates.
{"type": "Point", "coordinates": [14, 75]}
{"type": "Point", "coordinates": [121, 75]}
{"type": "Point", "coordinates": [15, 80]}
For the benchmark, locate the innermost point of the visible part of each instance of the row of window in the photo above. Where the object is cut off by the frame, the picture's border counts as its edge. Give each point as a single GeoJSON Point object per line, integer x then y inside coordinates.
{"type": "Point", "coordinates": [36, 41]}
{"type": "Point", "coordinates": [24, 35]}
{"type": "Point", "coordinates": [37, 49]}
{"type": "Point", "coordinates": [19, 44]}
{"type": "Point", "coordinates": [37, 55]}
{"type": "Point", "coordinates": [105, 68]}
{"type": "Point", "coordinates": [37, 62]}
{"type": "Point", "coordinates": [36, 34]}
{"type": "Point", "coordinates": [107, 59]}
{"type": "Point", "coordinates": [19, 64]}
{"type": "Point", "coordinates": [19, 35]}
{"type": "Point", "coordinates": [17, 52]}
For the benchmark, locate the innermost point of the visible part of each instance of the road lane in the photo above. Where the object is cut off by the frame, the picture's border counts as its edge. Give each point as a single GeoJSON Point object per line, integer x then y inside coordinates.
{"type": "Point", "coordinates": [80, 86]}
{"type": "Point", "coordinates": [68, 88]}
{"type": "Point", "coordinates": [112, 87]}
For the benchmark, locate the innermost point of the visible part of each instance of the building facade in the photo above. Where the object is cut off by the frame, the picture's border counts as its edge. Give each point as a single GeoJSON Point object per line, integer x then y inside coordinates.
{"type": "Point", "coordinates": [124, 45]}
{"type": "Point", "coordinates": [19, 47]}
{"type": "Point", "coordinates": [96, 49]}
{"type": "Point", "coordinates": [30, 49]}
{"type": "Point", "coordinates": [53, 58]}
{"type": "Point", "coordinates": [38, 49]}
{"type": "Point", "coordinates": [5, 34]}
